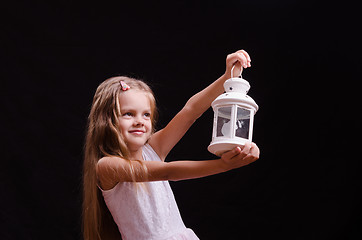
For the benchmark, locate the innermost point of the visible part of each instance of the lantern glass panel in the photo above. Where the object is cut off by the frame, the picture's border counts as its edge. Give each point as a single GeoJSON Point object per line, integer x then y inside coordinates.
{"type": "Point", "coordinates": [223, 122]}
{"type": "Point", "coordinates": [242, 123]}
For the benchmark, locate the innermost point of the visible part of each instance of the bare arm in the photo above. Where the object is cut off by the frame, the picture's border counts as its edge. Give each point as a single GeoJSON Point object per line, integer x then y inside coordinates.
{"type": "Point", "coordinates": [111, 170]}
{"type": "Point", "coordinates": [165, 139]}
{"type": "Point", "coordinates": [201, 101]}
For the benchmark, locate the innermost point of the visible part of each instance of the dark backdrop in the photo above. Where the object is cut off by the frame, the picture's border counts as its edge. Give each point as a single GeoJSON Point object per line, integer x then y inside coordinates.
{"type": "Point", "coordinates": [303, 76]}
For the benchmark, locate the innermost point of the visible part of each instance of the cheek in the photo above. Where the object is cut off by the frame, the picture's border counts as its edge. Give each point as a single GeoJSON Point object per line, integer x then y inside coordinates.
{"type": "Point", "coordinates": [124, 125]}
{"type": "Point", "coordinates": [149, 125]}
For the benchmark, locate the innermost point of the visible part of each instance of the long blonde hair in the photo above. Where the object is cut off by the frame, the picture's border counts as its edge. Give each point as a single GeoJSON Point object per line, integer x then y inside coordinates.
{"type": "Point", "coordinates": [105, 139]}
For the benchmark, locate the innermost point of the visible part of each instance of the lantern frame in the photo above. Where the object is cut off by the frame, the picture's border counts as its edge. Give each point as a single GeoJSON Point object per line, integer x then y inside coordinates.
{"type": "Point", "coordinates": [235, 97]}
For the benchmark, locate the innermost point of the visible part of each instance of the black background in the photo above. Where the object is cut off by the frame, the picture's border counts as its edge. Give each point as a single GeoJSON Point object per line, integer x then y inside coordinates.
{"type": "Point", "coordinates": [304, 78]}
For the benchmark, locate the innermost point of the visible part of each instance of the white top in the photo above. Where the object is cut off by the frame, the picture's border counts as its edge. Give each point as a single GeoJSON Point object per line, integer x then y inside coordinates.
{"type": "Point", "coordinates": [147, 210]}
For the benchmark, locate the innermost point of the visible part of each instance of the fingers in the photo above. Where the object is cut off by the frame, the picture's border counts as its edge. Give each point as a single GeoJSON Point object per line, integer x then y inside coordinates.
{"type": "Point", "coordinates": [230, 154]}
{"type": "Point", "coordinates": [245, 55]}
{"type": "Point", "coordinates": [241, 156]}
{"type": "Point", "coordinates": [253, 154]}
{"type": "Point", "coordinates": [246, 148]}
{"type": "Point", "coordinates": [248, 154]}
{"type": "Point", "coordinates": [240, 56]}
{"type": "Point", "coordinates": [255, 151]}
{"type": "Point", "coordinates": [244, 60]}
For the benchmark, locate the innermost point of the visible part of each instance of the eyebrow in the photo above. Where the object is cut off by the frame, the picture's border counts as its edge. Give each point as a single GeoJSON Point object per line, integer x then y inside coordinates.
{"type": "Point", "coordinates": [133, 109]}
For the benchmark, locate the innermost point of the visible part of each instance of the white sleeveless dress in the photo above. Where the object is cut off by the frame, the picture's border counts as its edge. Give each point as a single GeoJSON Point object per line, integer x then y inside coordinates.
{"type": "Point", "coordinates": [149, 211]}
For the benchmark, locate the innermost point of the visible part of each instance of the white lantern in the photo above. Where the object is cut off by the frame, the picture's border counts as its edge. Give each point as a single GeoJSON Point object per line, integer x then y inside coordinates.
{"type": "Point", "coordinates": [233, 117]}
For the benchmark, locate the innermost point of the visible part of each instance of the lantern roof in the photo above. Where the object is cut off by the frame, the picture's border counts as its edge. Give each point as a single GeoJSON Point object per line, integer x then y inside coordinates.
{"type": "Point", "coordinates": [235, 93]}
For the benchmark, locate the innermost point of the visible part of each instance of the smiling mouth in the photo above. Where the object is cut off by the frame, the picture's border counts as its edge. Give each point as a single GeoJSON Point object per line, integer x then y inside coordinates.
{"type": "Point", "coordinates": [137, 132]}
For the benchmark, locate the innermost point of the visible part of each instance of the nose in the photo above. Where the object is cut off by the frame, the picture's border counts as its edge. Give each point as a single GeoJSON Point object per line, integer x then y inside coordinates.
{"type": "Point", "coordinates": [139, 121]}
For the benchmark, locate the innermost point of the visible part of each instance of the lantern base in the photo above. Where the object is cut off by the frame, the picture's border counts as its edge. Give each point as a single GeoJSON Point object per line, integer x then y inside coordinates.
{"type": "Point", "coordinates": [221, 146]}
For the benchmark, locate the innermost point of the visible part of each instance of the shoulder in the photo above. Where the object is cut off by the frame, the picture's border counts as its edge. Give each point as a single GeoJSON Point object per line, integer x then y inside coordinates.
{"type": "Point", "coordinates": [107, 169]}
{"type": "Point", "coordinates": [109, 162]}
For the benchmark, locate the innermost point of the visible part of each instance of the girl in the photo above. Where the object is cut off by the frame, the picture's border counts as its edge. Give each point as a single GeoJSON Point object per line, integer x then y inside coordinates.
{"type": "Point", "coordinates": [125, 174]}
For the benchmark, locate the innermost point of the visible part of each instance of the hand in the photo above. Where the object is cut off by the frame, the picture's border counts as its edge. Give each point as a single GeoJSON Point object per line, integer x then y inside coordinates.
{"type": "Point", "coordinates": [241, 156]}
{"type": "Point", "coordinates": [240, 59]}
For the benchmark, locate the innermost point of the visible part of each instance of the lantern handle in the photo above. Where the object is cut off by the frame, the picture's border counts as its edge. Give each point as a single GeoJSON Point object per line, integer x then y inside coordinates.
{"type": "Point", "coordinates": [232, 70]}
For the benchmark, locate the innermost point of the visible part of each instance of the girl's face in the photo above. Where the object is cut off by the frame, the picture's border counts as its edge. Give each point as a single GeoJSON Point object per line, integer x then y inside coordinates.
{"type": "Point", "coordinates": [135, 121]}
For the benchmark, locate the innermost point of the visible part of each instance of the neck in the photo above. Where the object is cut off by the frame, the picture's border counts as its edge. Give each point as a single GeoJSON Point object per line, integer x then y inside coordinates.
{"type": "Point", "coordinates": [136, 154]}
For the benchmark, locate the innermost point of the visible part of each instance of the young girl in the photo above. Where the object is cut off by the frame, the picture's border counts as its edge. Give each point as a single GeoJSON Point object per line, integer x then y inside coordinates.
{"type": "Point", "coordinates": [126, 188]}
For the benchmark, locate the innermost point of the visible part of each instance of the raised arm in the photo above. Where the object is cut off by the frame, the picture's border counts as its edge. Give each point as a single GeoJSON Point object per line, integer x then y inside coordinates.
{"type": "Point", "coordinates": [165, 139]}
{"type": "Point", "coordinates": [201, 101]}
{"type": "Point", "coordinates": [111, 170]}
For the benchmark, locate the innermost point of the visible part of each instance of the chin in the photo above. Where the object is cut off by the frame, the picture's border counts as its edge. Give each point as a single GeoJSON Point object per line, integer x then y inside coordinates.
{"type": "Point", "coordinates": [135, 145]}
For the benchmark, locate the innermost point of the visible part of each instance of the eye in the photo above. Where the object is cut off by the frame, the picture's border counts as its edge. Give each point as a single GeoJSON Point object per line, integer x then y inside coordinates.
{"type": "Point", "coordinates": [147, 115]}
{"type": "Point", "coordinates": [127, 114]}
